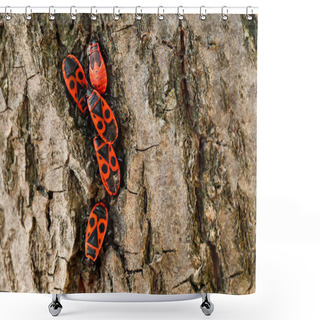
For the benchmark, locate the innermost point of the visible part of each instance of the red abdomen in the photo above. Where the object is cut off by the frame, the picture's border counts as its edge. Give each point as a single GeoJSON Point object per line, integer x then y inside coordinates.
{"type": "Point", "coordinates": [97, 68]}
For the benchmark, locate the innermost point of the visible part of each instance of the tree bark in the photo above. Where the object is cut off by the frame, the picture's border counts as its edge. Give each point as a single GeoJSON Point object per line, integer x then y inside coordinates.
{"type": "Point", "coordinates": [184, 95]}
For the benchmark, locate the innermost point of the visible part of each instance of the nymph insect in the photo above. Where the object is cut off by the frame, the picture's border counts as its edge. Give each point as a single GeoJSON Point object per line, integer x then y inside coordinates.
{"type": "Point", "coordinates": [97, 68]}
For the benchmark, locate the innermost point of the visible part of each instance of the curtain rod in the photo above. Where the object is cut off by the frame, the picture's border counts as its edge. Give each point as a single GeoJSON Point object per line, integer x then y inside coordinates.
{"type": "Point", "coordinates": [136, 10]}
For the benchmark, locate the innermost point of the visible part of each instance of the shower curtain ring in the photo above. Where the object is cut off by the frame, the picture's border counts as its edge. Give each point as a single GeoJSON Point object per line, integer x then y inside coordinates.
{"type": "Point", "coordinates": [28, 13]}
{"type": "Point", "coordinates": [224, 13]}
{"type": "Point", "coordinates": [160, 16]}
{"type": "Point", "coordinates": [180, 12]}
{"type": "Point", "coordinates": [52, 11]}
{"type": "Point", "coordinates": [203, 12]}
{"type": "Point", "coordinates": [73, 14]}
{"type": "Point", "coordinates": [93, 16]}
{"type": "Point", "coordinates": [116, 16]}
{"type": "Point", "coordinates": [248, 15]}
{"type": "Point", "coordinates": [7, 14]}
{"type": "Point", "coordinates": [138, 15]}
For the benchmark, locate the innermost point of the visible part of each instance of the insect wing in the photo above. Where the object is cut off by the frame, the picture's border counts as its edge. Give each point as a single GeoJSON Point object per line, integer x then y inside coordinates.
{"type": "Point", "coordinates": [108, 165]}
{"type": "Point", "coordinates": [102, 117]}
{"type": "Point", "coordinates": [75, 81]}
{"type": "Point", "coordinates": [96, 230]}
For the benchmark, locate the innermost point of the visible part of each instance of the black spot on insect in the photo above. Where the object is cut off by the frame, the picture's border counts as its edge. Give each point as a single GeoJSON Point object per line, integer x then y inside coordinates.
{"type": "Point", "coordinates": [113, 161]}
{"type": "Point", "coordinates": [99, 125]}
{"type": "Point", "coordinates": [72, 84]}
{"type": "Point", "coordinates": [104, 169]}
{"type": "Point", "coordinates": [107, 114]}
{"type": "Point", "coordinates": [101, 227]}
{"type": "Point", "coordinates": [80, 75]}
{"type": "Point", "coordinates": [91, 221]}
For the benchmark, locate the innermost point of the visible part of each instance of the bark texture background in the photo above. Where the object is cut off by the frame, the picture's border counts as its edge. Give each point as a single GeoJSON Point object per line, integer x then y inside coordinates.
{"type": "Point", "coordinates": [184, 95]}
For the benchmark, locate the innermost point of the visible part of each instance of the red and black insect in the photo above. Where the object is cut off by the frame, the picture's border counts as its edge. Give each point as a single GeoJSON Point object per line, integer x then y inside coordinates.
{"type": "Point", "coordinates": [108, 165]}
{"type": "Point", "coordinates": [107, 128]}
{"type": "Point", "coordinates": [97, 68]}
{"type": "Point", "coordinates": [96, 230]}
{"type": "Point", "coordinates": [102, 116]}
{"type": "Point", "coordinates": [75, 80]}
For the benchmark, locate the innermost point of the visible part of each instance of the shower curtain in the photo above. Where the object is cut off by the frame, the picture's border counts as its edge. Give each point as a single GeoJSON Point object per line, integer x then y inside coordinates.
{"type": "Point", "coordinates": [128, 154]}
